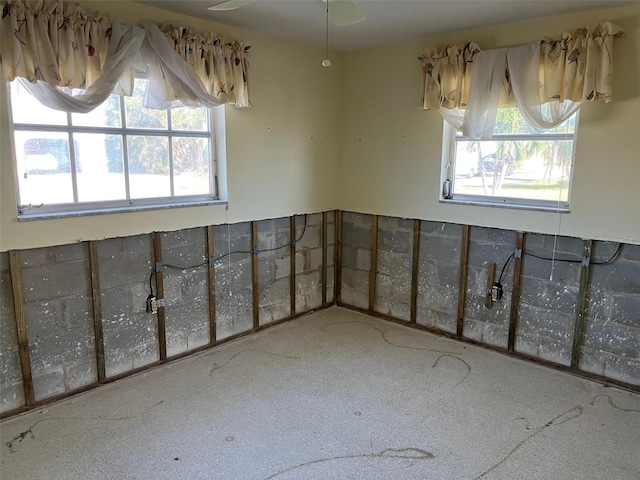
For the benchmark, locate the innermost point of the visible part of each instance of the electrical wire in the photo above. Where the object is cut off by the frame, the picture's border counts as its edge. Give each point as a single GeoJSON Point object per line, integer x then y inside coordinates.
{"type": "Point", "coordinates": [228, 254]}
{"type": "Point", "coordinates": [566, 260]}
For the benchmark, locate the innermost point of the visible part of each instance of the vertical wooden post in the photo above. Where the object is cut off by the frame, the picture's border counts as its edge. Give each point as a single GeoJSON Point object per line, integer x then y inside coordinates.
{"type": "Point", "coordinates": [464, 274]}
{"type": "Point", "coordinates": [583, 303]}
{"type": "Point", "coordinates": [21, 327]}
{"type": "Point", "coordinates": [292, 265]}
{"type": "Point", "coordinates": [162, 331]}
{"type": "Point", "coordinates": [254, 274]}
{"type": "Point", "coordinates": [337, 262]}
{"type": "Point", "coordinates": [515, 294]}
{"type": "Point", "coordinates": [415, 269]}
{"type": "Point", "coordinates": [97, 310]}
{"type": "Point", "coordinates": [491, 277]}
{"type": "Point", "coordinates": [373, 268]}
{"type": "Point", "coordinates": [211, 285]}
{"type": "Point", "coordinates": [324, 258]}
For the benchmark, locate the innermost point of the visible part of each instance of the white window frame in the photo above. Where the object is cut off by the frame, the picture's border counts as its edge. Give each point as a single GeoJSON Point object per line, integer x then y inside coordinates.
{"type": "Point", "coordinates": [218, 169]}
{"type": "Point", "coordinates": [448, 170]}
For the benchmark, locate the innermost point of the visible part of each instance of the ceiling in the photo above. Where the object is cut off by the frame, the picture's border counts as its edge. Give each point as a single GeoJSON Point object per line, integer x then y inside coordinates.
{"type": "Point", "coordinates": [388, 21]}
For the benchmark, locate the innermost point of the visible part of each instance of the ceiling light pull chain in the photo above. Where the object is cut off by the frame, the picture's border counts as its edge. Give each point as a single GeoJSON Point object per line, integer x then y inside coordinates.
{"type": "Point", "coordinates": [326, 62]}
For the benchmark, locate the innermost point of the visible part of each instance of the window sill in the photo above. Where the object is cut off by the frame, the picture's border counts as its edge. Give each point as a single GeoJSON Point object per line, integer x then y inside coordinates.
{"type": "Point", "coordinates": [514, 206]}
{"type": "Point", "coordinates": [107, 211]}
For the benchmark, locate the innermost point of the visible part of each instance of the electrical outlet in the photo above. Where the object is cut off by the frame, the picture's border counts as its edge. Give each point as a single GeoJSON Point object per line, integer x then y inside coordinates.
{"type": "Point", "coordinates": [496, 292]}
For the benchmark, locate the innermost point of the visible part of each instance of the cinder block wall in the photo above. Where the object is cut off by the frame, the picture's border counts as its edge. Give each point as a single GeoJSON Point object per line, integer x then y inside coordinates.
{"type": "Point", "coordinates": [539, 321]}
{"type": "Point", "coordinates": [227, 280]}
{"type": "Point", "coordinates": [211, 279]}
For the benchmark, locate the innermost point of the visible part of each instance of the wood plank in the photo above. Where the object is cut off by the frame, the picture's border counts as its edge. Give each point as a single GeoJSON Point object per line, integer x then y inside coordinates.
{"type": "Point", "coordinates": [254, 275]}
{"type": "Point", "coordinates": [337, 263]}
{"type": "Point", "coordinates": [94, 270]}
{"type": "Point", "coordinates": [162, 331]}
{"type": "Point", "coordinates": [464, 273]}
{"type": "Point", "coordinates": [324, 257]}
{"type": "Point", "coordinates": [491, 277]}
{"type": "Point", "coordinates": [583, 304]}
{"type": "Point", "coordinates": [292, 266]}
{"type": "Point", "coordinates": [415, 270]}
{"type": "Point", "coordinates": [211, 285]}
{"type": "Point", "coordinates": [515, 294]}
{"type": "Point", "coordinates": [373, 268]}
{"type": "Point", "coordinates": [21, 327]}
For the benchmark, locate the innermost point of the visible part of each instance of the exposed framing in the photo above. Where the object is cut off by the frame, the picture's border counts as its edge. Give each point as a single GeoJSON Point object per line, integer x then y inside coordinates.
{"type": "Point", "coordinates": [97, 310]}
{"type": "Point", "coordinates": [162, 331]}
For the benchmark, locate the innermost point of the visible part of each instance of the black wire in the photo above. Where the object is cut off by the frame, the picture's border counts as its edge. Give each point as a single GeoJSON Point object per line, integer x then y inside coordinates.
{"type": "Point", "coordinates": [567, 260]}
{"type": "Point", "coordinates": [505, 266]}
{"type": "Point", "coordinates": [215, 260]}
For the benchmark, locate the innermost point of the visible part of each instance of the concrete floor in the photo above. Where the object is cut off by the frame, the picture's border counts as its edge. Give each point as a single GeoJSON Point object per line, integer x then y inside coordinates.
{"type": "Point", "coordinates": [334, 395]}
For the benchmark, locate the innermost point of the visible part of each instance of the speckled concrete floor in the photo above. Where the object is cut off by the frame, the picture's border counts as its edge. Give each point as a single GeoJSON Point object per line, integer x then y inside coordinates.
{"type": "Point", "coordinates": [334, 395]}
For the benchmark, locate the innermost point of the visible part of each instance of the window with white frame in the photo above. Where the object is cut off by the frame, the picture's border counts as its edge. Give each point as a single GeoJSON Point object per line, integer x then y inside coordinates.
{"type": "Point", "coordinates": [120, 156]}
{"type": "Point", "coordinates": [518, 167]}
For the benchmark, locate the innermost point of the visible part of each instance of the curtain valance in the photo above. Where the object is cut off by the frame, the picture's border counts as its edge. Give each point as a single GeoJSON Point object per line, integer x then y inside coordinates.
{"type": "Point", "coordinates": [546, 80]}
{"type": "Point", "coordinates": [73, 61]}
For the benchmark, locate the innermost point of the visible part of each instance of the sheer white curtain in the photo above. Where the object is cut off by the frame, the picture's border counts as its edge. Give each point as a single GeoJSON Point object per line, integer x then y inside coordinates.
{"type": "Point", "coordinates": [124, 45]}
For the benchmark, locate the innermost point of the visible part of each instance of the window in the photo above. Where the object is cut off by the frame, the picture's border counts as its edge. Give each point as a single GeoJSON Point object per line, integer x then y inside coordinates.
{"type": "Point", "coordinates": [120, 156]}
{"type": "Point", "coordinates": [518, 167]}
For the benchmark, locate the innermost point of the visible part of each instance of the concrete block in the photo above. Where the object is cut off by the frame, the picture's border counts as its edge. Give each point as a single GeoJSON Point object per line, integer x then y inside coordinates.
{"type": "Point", "coordinates": [10, 371]}
{"type": "Point", "coordinates": [496, 335]}
{"type": "Point", "coordinates": [448, 276]}
{"type": "Point", "coordinates": [266, 270]}
{"type": "Point", "coordinates": [568, 246]}
{"type": "Point", "coordinates": [393, 308]}
{"type": "Point", "coordinates": [394, 288]}
{"type": "Point", "coordinates": [547, 323]}
{"type": "Point", "coordinates": [482, 254]}
{"type": "Point", "coordinates": [283, 267]}
{"type": "Point", "coordinates": [622, 276]}
{"type": "Point", "coordinates": [234, 311]}
{"type": "Point", "coordinates": [472, 329]}
{"type": "Point", "coordinates": [614, 339]}
{"type": "Point", "coordinates": [11, 396]}
{"type": "Point", "coordinates": [626, 310]}
{"type": "Point", "coordinates": [275, 292]}
{"type": "Point", "coordinates": [184, 248]}
{"type": "Point", "coordinates": [48, 384]}
{"type": "Point", "coordinates": [592, 362]}
{"type": "Point", "coordinates": [60, 280]}
{"type": "Point", "coordinates": [312, 237]}
{"type": "Point", "coordinates": [600, 306]}
{"type": "Point", "coordinates": [493, 236]}
{"type": "Point", "coordinates": [76, 312]}
{"type": "Point", "coordinates": [34, 257]}
{"type": "Point", "coordinates": [363, 259]}
{"type": "Point", "coordinates": [173, 289]}
{"type": "Point", "coordinates": [395, 241]}
{"type": "Point", "coordinates": [81, 374]}
{"type": "Point", "coordinates": [556, 351]}
{"type": "Point", "coordinates": [187, 326]}
{"type": "Point", "coordinates": [71, 252]}
{"type": "Point", "coordinates": [356, 234]}
{"type": "Point", "coordinates": [274, 312]}
{"type": "Point", "coordinates": [629, 252]}
{"type": "Point", "coordinates": [395, 265]}
{"type": "Point", "coordinates": [440, 249]}
{"type": "Point", "coordinates": [308, 291]}
{"type": "Point", "coordinates": [43, 318]}
{"type": "Point", "coordinates": [349, 256]}
{"type": "Point", "coordinates": [441, 229]}
{"type": "Point", "coordinates": [527, 344]}
{"type": "Point", "coordinates": [623, 369]}
{"type": "Point", "coordinates": [130, 341]}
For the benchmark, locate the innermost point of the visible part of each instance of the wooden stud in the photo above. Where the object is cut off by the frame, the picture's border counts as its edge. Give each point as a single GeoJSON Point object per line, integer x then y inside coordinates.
{"type": "Point", "coordinates": [515, 294]}
{"type": "Point", "coordinates": [162, 331]}
{"type": "Point", "coordinates": [292, 266]}
{"type": "Point", "coordinates": [583, 303]}
{"type": "Point", "coordinates": [337, 262]}
{"type": "Point", "coordinates": [21, 327]}
{"type": "Point", "coordinates": [415, 270]}
{"type": "Point", "coordinates": [373, 268]}
{"type": "Point", "coordinates": [97, 310]}
{"type": "Point", "coordinates": [324, 257]}
{"type": "Point", "coordinates": [211, 285]}
{"type": "Point", "coordinates": [254, 274]}
{"type": "Point", "coordinates": [488, 303]}
{"type": "Point", "coordinates": [464, 273]}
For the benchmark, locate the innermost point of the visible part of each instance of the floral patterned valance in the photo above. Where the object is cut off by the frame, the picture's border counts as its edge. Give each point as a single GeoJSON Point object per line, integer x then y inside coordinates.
{"type": "Point", "coordinates": [57, 44]}
{"type": "Point", "coordinates": [576, 66]}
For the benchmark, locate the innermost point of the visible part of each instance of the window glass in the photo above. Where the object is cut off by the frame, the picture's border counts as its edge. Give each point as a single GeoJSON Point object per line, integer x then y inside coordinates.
{"type": "Point", "coordinates": [519, 166]}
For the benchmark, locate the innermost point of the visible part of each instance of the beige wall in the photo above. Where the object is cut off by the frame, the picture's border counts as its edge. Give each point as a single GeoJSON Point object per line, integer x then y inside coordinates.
{"type": "Point", "coordinates": [352, 137]}
{"type": "Point", "coordinates": [281, 155]}
{"type": "Point", "coordinates": [391, 150]}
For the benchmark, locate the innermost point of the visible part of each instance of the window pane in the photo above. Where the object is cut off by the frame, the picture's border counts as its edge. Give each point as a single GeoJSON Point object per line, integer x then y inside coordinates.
{"type": "Point", "coordinates": [510, 121]}
{"type": "Point", "coordinates": [26, 109]}
{"type": "Point", "coordinates": [106, 115]}
{"type": "Point", "coordinates": [536, 170]}
{"type": "Point", "coordinates": [148, 166]}
{"type": "Point", "coordinates": [99, 167]}
{"type": "Point", "coordinates": [191, 165]}
{"type": "Point", "coordinates": [140, 117]}
{"type": "Point", "coordinates": [193, 119]}
{"type": "Point", "coordinates": [44, 174]}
